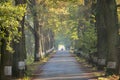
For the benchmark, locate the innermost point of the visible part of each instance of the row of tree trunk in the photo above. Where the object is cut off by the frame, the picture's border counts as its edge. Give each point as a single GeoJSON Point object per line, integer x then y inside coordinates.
{"type": "Point", "coordinates": [108, 47]}
{"type": "Point", "coordinates": [44, 38]}
{"type": "Point", "coordinates": [106, 24]}
{"type": "Point", "coordinates": [14, 65]}
{"type": "Point", "coordinates": [108, 37]}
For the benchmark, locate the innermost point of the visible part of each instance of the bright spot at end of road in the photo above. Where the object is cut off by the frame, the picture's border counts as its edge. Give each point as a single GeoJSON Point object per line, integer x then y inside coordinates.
{"type": "Point", "coordinates": [61, 47]}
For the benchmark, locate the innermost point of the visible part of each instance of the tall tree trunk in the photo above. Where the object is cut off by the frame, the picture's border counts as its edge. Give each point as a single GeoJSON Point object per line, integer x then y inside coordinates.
{"type": "Point", "coordinates": [5, 58]}
{"type": "Point", "coordinates": [37, 37]}
{"type": "Point", "coordinates": [110, 25]}
{"type": "Point", "coordinates": [102, 47]}
{"type": "Point", "coordinates": [37, 29]}
{"type": "Point", "coordinates": [37, 21]}
{"type": "Point", "coordinates": [41, 44]}
{"type": "Point", "coordinates": [37, 44]}
{"type": "Point", "coordinates": [19, 55]}
{"type": "Point", "coordinates": [6, 62]}
{"type": "Point", "coordinates": [113, 37]}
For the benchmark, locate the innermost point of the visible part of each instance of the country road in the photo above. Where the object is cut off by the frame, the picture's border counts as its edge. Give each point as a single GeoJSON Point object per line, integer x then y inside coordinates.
{"type": "Point", "coordinates": [62, 66]}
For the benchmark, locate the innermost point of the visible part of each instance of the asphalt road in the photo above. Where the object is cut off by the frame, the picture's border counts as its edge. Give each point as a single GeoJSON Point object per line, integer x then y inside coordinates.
{"type": "Point", "coordinates": [62, 66]}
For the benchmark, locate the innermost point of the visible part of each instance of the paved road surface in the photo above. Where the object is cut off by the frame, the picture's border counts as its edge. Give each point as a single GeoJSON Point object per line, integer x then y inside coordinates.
{"type": "Point", "coordinates": [62, 66]}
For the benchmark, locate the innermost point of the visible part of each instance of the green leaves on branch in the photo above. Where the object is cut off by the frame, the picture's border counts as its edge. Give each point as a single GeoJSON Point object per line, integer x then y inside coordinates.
{"type": "Point", "coordinates": [10, 17]}
{"type": "Point", "coordinates": [89, 39]}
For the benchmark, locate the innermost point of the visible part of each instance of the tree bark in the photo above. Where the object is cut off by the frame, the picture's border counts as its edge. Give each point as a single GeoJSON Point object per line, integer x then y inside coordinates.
{"type": "Point", "coordinates": [109, 15]}
{"type": "Point", "coordinates": [37, 29]}
{"type": "Point", "coordinates": [6, 61]}
{"type": "Point", "coordinates": [102, 47]}
{"type": "Point", "coordinates": [37, 37]}
{"type": "Point", "coordinates": [19, 55]}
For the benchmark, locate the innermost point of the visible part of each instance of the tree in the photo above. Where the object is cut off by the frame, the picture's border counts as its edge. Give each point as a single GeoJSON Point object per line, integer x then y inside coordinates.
{"type": "Point", "coordinates": [112, 32]}
{"type": "Point", "coordinates": [19, 55]}
{"type": "Point", "coordinates": [37, 21]}
{"type": "Point", "coordinates": [10, 17]}
{"type": "Point", "coordinates": [109, 14]}
{"type": "Point", "coordinates": [102, 46]}
{"type": "Point", "coordinates": [118, 11]}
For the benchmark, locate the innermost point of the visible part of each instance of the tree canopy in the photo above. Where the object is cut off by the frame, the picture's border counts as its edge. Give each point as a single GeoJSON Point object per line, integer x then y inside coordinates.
{"type": "Point", "coordinates": [10, 17]}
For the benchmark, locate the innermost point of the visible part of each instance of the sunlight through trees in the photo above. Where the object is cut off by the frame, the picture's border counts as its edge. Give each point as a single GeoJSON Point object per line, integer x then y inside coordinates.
{"type": "Point", "coordinates": [31, 29]}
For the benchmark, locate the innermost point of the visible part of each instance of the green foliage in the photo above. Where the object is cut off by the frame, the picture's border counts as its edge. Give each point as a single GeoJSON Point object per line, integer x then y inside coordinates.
{"type": "Point", "coordinates": [66, 18]}
{"type": "Point", "coordinates": [89, 39]}
{"type": "Point", "coordinates": [10, 16]}
{"type": "Point", "coordinates": [63, 19]}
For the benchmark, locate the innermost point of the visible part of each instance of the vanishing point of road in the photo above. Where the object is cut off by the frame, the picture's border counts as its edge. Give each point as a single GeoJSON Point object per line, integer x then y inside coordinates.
{"type": "Point", "coordinates": [62, 66]}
